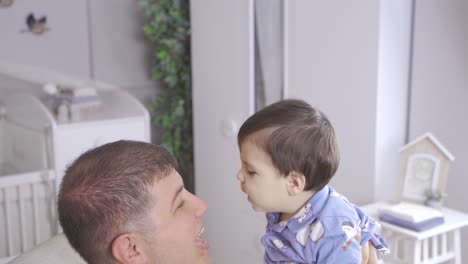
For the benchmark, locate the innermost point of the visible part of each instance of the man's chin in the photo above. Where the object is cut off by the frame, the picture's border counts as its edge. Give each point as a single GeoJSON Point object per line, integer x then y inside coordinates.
{"type": "Point", "coordinates": [204, 258]}
{"type": "Point", "coordinates": [207, 259]}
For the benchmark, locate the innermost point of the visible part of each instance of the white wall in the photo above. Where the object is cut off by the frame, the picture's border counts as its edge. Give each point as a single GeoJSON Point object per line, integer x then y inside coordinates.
{"type": "Point", "coordinates": [439, 92]}
{"type": "Point", "coordinates": [121, 54]}
{"type": "Point", "coordinates": [392, 95]}
{"type": "Point", "coordinates": [222, 66]}
{"type": "Point", "coordinates": [352, 62]}
{"type": "Point", "coordinates": [101, 40]}
{"type": "Point", "coordinates": [333, 62]}
{"type": "Point", "coordinates": [65, 47]}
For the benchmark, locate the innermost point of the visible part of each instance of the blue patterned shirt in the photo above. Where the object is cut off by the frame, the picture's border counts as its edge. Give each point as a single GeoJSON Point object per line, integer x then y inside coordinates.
{"type": "Point", "coordinates": [322, 231]}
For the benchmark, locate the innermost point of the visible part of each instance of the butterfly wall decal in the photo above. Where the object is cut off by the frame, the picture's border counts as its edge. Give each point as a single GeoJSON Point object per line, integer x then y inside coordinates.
{"type": "Point", "coordinates": [36, 25]}
{"type": "Point", "coordinates": [6, 3]}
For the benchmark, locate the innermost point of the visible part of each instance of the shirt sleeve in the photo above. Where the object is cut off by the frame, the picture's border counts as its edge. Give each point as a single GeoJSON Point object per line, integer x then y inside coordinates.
{"type": "Point", "coordinates": [371, 231]}
{"type": "Point", "coordinates": [268, 260]}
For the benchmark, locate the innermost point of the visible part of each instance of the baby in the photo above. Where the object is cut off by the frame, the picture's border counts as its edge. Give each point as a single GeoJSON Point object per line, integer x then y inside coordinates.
{"type": "Point", "coordinates": [289, 154]}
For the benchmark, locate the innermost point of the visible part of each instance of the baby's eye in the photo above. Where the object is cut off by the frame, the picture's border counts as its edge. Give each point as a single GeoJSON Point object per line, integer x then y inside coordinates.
{"type": "Point", "coordinates": [250, 173]}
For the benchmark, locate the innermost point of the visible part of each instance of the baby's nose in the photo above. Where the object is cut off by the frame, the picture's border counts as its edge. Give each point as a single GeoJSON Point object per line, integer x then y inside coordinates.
{"type": "Point", "coordinates": [239, 176]}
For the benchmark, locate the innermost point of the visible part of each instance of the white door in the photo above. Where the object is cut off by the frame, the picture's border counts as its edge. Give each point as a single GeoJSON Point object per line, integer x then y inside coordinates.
{"type": "Point", "coordinates": [222, 65]}
{"type": "Point", "coordinates": [331, 60]}
{"type": "Point", "coordinates": [333, 63]}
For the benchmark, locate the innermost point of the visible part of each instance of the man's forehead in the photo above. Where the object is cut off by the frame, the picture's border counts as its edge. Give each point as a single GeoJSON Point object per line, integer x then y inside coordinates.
{"type": "Point", "coordinates": [166, 188]}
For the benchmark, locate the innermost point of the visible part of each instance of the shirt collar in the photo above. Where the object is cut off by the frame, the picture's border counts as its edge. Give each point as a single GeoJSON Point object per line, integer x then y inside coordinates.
{"type": "Point", "coordinates": [305, 216]}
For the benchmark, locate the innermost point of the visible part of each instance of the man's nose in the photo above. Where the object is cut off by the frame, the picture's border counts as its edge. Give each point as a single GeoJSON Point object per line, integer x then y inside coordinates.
{"type": "Point", "coordinates": [202, 206]}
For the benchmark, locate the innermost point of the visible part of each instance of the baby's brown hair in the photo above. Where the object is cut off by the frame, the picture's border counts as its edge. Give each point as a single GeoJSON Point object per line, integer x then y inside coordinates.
{"type": "Point", "coordinates": [297, 137]}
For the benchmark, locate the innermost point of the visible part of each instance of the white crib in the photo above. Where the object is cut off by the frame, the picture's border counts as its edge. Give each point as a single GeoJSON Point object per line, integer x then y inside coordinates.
{"type": "Point", "coordinates": [36, 146]}
{"type": "Point", "coordinates": [27, 182]}
{"type": "Point", "coordinates": [28, 212]}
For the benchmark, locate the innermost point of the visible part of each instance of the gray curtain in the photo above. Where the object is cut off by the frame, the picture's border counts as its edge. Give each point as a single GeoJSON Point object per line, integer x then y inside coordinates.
{"type": "Point", "coordinates": [269, 57]}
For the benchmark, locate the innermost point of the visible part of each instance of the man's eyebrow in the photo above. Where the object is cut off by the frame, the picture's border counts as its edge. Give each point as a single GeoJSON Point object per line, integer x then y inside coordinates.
{"type": "Point", "coordinates": [179, 190]}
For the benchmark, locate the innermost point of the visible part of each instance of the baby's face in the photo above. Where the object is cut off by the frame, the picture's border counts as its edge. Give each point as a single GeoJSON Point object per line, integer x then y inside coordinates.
{"type": "Point", "coordinates": [266, 189]}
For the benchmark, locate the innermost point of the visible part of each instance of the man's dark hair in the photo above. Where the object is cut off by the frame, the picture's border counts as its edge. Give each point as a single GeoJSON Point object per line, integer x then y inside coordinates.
{"type": "Point", "coordinates": [297, 137]}
{"type": "Point", "coordinates": [107, 192]}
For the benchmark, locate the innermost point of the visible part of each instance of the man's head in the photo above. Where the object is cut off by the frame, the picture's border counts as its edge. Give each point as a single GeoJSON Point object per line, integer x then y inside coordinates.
{"type": "Point", "coordinates": [124, 202]}
{"type": "Point", "coordinates": [288, 139]}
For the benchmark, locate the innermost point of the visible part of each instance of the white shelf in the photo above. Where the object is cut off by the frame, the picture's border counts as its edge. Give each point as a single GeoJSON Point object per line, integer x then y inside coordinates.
{"type": "Point", "coordinates": [420, 247]}
{"type": "Point", "coordinates": [453, 220]}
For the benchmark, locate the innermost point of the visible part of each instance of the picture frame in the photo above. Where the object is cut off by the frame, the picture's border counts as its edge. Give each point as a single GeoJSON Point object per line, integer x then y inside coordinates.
{"type": "Point", "coordinates": [425, 165]}
{"type": "Point", "coordinates": [422, 174]}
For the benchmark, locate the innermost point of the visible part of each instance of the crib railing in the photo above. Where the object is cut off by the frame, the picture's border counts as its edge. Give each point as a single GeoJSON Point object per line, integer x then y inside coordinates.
{"type": "Point", "coordinates": [27, 211]}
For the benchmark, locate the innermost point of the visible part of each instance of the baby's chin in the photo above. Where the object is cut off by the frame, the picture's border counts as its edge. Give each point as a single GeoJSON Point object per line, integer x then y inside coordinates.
{"type": "Point", "coordinates": [257, 208]}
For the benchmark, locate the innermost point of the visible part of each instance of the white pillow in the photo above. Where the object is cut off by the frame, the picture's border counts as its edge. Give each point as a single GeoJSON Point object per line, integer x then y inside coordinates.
{"type": "Point", "coordinates": [56, 250]}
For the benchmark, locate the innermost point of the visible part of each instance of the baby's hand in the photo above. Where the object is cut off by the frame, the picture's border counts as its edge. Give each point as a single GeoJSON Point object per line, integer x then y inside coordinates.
{"type": "Point", "coordinates": [368, 253]}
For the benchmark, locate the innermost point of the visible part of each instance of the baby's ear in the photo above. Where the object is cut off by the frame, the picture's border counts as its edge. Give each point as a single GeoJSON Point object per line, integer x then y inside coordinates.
{"type": "Point", "coordinates": [295, 182]}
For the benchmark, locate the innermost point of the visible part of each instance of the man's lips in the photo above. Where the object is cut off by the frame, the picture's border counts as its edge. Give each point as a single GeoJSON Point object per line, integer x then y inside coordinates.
{"type": "Point", "coordinates": [201, 243]}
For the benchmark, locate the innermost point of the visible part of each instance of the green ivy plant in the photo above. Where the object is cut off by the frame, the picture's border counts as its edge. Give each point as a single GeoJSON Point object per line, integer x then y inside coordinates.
{"type": "Point", "coordinates": [168, 30]}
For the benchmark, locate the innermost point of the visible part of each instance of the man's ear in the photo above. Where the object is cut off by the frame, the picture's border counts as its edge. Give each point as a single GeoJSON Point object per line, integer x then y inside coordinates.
{"type": "Point", "coordinates": [295, 183]}
{"type": "Point", "coordinates": [127, 248]}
